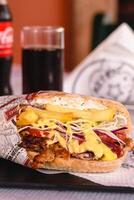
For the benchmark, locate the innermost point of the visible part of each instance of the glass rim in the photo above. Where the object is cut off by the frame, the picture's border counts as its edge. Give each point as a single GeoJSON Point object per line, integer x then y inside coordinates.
{"type": "Point", "coordinates": [43, 28]}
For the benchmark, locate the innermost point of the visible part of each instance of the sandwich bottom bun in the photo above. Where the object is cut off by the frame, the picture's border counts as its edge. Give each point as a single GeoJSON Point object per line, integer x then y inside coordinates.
{"type": "Point", "coordinates": [76, 164]}
{"type": "Point", "coordinates": [84, 166]}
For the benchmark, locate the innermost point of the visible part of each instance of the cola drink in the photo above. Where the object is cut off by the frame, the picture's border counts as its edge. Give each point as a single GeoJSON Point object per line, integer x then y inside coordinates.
{"type": "Point", "coordinates": [38, 65]}
{"type": "Point", "coordinates": [42, 58]}
{"type": "Point", "coordinates": [6, 45]}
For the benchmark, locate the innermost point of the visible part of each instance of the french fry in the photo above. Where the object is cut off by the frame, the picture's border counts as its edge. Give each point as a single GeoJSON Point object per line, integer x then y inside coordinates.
{"type": "Point", "coordinates": [90, 114]}
{"type": "Point", "coordinates": [45, 114]}
{"type": "Point", "coordinates": [102, 115]}
{"type": "Point", "coordinates": [27, 117]}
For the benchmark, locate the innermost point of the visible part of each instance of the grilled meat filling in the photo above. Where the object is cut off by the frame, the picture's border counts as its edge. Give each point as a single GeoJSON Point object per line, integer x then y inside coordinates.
{"type": "Point", "coordinates": [39, 152]}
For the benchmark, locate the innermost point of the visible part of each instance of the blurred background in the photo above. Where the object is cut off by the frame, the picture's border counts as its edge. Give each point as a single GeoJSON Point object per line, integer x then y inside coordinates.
{"type": "Point", "coordinates": [86, 22]}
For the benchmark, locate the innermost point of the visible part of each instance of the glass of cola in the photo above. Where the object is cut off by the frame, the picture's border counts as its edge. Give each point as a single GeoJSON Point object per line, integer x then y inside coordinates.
{"type": "Point", "coordinates": [42, 58]}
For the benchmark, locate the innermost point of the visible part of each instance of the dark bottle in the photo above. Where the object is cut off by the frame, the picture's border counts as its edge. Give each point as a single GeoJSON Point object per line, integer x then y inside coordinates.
{"type": "Point", "coordinates": [6, 45]}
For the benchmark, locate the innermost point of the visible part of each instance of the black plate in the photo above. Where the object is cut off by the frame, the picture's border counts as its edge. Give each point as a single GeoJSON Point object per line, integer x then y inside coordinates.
{"type": "Point", "coordinates": [15, 175]}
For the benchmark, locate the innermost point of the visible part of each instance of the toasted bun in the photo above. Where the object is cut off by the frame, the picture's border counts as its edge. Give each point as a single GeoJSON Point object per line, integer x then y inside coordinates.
{"type": "Point", "coordinates": [78, 165]}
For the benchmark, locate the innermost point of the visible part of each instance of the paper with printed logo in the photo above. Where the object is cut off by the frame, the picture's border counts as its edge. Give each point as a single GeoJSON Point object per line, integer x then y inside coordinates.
{"type": "Point", "coordinates": [9, 138]}
{"type": "Point", "coordinates": [109, 70]}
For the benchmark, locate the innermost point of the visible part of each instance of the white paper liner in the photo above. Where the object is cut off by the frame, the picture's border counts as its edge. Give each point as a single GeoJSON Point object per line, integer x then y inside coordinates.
{"type": "Point", "coordinates": [45, 171]}
{"type": "Point", "coordinates": [123, 177]}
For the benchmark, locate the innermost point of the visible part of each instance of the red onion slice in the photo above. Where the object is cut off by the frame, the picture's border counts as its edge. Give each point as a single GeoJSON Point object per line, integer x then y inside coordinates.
{"type": "Point", "coordinates": [119, 129]}
{"type": "Point", "coordinates": [78, 137]}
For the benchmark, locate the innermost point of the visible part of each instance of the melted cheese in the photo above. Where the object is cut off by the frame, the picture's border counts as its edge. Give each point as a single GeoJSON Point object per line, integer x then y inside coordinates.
{"type": "Point", "coordinates": [93, 144]}
{"type": "Point", "coordinates": [108, 154]}
{"type": "Point", "coordinates": [61, 140]}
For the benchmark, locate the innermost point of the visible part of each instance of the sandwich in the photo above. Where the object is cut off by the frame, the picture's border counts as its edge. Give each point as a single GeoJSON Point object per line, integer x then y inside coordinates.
{"type": "Point", "coordinates": [70, 132]}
